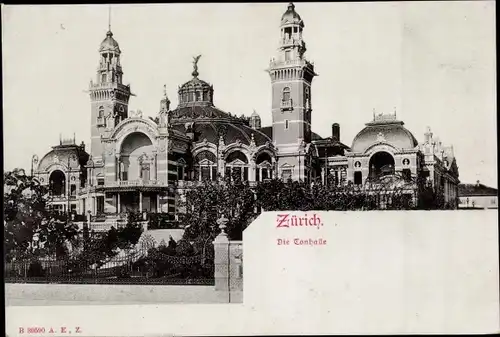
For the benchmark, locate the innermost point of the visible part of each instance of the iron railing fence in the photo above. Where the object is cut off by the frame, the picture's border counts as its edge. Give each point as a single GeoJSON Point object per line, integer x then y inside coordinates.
{"type": "Point", "coordinates": [137, 267]}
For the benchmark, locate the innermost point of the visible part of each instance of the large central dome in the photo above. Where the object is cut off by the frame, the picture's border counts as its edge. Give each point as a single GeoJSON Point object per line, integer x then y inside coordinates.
{"type": "Point", "coordinates": [197, 113]}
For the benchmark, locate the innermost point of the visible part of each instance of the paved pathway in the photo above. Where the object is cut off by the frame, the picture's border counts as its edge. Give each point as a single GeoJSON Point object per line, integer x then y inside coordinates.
{"type": "Point", "coordinates": [104, 294]}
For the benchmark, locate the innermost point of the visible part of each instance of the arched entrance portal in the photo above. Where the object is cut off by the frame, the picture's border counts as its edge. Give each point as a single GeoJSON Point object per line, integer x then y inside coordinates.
{"type": "Point", "coordinates": [57, 183]}
{"type": "Point", "coordinates": [137, 168]}
{"type": "Point", "coordinates": [136, 157]}
{"type": "Point", "coordinates": [381, 164]}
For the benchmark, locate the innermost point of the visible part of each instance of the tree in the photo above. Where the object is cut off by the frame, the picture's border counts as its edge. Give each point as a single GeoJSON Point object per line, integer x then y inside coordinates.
{"type": "Point", "coordinates": [26, 217]}
{"type": "Point", "coordinates": [232, 198]}
{"type": "Point", "coordinates": [430, 198]}
{"type": "Point", "coordinates": [101, 248]}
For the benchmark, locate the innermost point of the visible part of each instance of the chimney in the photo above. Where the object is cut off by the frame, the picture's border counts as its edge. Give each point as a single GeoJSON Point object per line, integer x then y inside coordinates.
{"type": "Point", "coordinates": [336, 132]}
{"type": "Point", "coordinates": [82, 146]}
{"type": "Point", "coordinates": [189, 130]}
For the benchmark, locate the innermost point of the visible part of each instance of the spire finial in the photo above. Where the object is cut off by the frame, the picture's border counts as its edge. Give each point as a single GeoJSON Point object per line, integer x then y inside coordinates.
{"type": "Point", "coordinates": [109, 18]}
{"type": "Point", "coordinates": [195, 66]}
{"type": "Point", "coordinates": [165, 90]}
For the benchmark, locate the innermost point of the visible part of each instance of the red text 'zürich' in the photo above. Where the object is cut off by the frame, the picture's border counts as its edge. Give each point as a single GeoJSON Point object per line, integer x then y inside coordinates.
{"type": "Point", "coordinates": [288, 220]}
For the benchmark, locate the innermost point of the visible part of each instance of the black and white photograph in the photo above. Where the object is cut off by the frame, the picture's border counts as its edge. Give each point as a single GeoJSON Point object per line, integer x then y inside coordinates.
{"type": "Point", "coordinates": [141, 141]}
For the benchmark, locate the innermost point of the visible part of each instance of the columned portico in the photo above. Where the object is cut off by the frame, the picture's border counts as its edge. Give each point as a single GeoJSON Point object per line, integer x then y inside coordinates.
{"type": "Point", "coordinates": [130, 197]}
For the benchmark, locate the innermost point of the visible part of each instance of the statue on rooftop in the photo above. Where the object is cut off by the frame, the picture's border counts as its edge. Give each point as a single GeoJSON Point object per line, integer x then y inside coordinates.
{"type": "Point", "coordinates": [195, 65]}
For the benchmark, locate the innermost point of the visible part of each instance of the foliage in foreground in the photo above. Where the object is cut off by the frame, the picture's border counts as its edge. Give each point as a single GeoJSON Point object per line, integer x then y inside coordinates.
{"type": "Point", "coordinates": [241, 203]}
{"type": "Point", "coordinates": [27, 219]}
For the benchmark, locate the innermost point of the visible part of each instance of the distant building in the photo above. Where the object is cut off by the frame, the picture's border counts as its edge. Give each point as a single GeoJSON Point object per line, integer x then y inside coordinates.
{"type": "Point", "coordinates": [477, 196]}
{"type": "Point", "coordinates": [142, 164]}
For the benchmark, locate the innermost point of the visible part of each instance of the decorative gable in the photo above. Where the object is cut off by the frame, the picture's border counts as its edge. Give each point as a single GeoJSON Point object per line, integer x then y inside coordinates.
{"type": "Point", "coordinates": [205, 162]}
{"type": "Point", "coordinates": [237, 162]}
{"type": "Point", "coordinates": [265, 163]}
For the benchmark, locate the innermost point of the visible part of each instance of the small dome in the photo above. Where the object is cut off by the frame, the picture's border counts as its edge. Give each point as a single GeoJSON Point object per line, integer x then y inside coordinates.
{"type": "Point", "coordinates": [195, 83]}
{"type": "Point", "coordinates": [60, 155]}
{"type": "Point", "coordinates": [255, 114]}
{"type": "Point", "coordinates": [393, 133]}
{"type": "Point", "coordinates": [291, 16]}
{"type": "Point", "coordinates": [109, 44]}
{"type": "Point", "coordinates": [195, 91]}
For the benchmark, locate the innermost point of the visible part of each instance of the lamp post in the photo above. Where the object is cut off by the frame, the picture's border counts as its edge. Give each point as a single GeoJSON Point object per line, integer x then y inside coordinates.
{"type": "Point", "coordinates": [71, 156]}
{"type": "Point", "coordinates": [34, 161]}
{"type": "Point", "coordinates": [35, 242]}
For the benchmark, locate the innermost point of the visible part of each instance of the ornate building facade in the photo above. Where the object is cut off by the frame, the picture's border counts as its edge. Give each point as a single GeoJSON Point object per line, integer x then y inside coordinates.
{"type": "Point", "coordinates": [138, 163]}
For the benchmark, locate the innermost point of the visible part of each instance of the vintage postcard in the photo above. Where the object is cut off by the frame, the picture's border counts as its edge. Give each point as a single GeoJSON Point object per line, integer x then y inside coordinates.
{"type": "Point", "coordinates": [250, 168]}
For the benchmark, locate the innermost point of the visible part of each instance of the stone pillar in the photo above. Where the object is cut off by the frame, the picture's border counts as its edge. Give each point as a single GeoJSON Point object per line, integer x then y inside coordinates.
{"type": "Point", "coordinates": [154, 175]}
{"type": "Point", "coordinates": [140, 201]}
{"type": "Point", "coordinates": [252, 176]}
{"type": "Point", "coordinates": [158, 207]}
{"type": "Point", "coordinates": [221, 258]}
{"type": "Point", "coordinates": [118, 203]}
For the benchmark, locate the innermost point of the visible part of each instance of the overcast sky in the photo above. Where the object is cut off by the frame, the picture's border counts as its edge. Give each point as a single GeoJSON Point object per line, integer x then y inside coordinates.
{"type": "Point", "coordinates": [432, 62]}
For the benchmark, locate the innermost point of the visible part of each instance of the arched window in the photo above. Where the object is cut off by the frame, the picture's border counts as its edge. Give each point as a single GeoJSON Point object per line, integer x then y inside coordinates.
{"type": "Point", "coordinates": [181, 169]}
{"type": "Point", "coordinates": [57, 183]}
{"type": "Point", "coordinates": [237, 165]}
{"type": "Point", "coordinates": [100, 116]}
{"type": "Point", "coordinates": [144, 167]}
{"type": "Point", "coordinates": [286, 93]}
{"type": "Point", "coordinates": [123, 171]}
{"type": "Point", "coordinates": [145, 171]}
{"type": "Point", "coordinates": [205, 167]}
{"type": "Point", "coordinates": [264, 167]}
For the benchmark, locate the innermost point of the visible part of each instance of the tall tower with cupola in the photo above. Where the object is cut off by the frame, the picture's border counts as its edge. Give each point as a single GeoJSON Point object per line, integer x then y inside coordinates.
{"type": "Point", "coordinates": [291, 78]}
{"type": "Point", "coordinates": [108, 95]}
